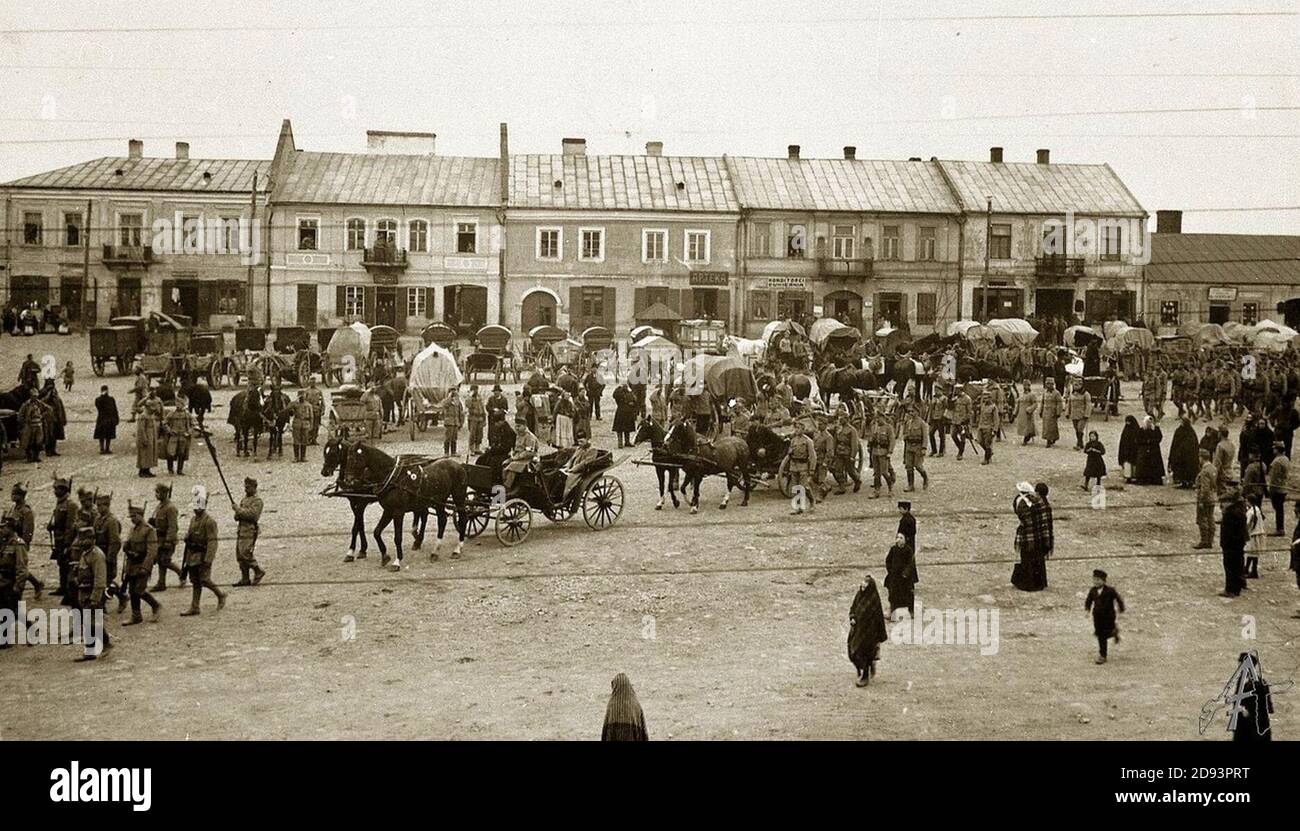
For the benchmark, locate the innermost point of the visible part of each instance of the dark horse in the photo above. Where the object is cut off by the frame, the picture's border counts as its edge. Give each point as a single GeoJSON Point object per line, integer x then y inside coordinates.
{"type": "Point", "coordinates": [246, 418]}
{"type": "Point", "coordinates": [335, 458]}
{"type": "Point", "coordinates": [405, 485]}
{"type": "Point", "coordinates": [650, 430]}
{"type": "Point", "coordinates": [727, 455]}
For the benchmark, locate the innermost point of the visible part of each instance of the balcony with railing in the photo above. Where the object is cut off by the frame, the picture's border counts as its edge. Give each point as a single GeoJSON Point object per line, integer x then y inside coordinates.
{"type": "Point", "coordinates": [127, 256]}
{"type": "Point", "coordinates": [384, 258]}
{"type": "Point", "coordinates": [834, 268]}
{"type": "Point", "coordinates": [1058, 267]}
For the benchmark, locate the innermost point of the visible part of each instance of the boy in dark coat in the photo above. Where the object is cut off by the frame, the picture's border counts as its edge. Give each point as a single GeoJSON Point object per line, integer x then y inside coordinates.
{"type": "Point", "coordinates": [1101, 601]}
{"type": "Point", "coordinates": [1233, 537]}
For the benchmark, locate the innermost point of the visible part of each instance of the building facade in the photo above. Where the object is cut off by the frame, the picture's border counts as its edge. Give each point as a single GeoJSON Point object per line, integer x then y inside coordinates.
{"type": "Point", "coordinates": [866, 242]}
{"type": "Point", "coordinates": [397, 236]}
{"type": "Point", "coordinates": [1048, 240]}
{"type": "Point", "coordinates": [132, 235]}
{"type": "Point", "coordinates": [604, 240]}
{"type": "Point", "coordinates": [1220, 278]}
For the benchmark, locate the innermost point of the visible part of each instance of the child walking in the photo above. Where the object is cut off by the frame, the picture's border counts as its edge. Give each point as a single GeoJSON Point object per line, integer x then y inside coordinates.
{"type": "Point", "coordinates": [68, 375]}
{"type": "Point", "coordinates": [1095, 466]}
{"type": "Point", "coordinates": [1102, 600]}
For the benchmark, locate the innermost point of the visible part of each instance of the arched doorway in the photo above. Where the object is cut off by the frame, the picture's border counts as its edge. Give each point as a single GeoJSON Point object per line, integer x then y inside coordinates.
{"type": "Point", "coordinates": [845, 306]}
{"type": "Point", "coordinates": [539, 309]}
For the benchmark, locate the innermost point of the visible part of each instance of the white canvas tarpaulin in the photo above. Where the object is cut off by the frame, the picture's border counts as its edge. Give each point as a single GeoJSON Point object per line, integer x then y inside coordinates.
{"type": "Point", "coordinates": [434, 369]}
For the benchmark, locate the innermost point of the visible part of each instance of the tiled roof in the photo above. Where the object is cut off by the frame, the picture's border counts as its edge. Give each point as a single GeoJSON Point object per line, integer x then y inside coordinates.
{"type": "Point", "coordinates": [389, 179]}
{"type": "Point", "coordinates": [859, 185]}
{"type": "Point", "coordinates": [1225, 259]}
{"type": "Point", "coordinates": [633, 183]}
{"type": "Point", "coordinates": [227, 175]}
{"type": "Point", "coordinates": [1028, 188]}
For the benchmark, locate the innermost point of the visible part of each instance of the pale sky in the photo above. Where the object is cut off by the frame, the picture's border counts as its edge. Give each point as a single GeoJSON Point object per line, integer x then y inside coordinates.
{"type": "Point", "coordinates": [704, 78]}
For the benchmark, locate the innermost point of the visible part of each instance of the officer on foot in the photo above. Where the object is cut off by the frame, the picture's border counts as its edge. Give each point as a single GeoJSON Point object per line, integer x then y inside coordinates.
{"type": "Point", "coordinates": [108, 538]}
{"type": "Point", "coordinates": [847, 446]}
{"type": "Point", "coordinates": [92, 588]}
{"type": "Point", "coordinates": [167, 525]}
{"type": "Point", "coordinates": [201, 552]}
{"type": "Point", "coordinates": [800, 460]}
{"type": "Point", "coordinates": [914, 432]}
{"type": "Point", "coordinates": [62, 528]}
{"type": "Point", "coordinates": [26, 519]}
{"type": "Point", "coordinates": [141, 549]}
{"type": "Point", "coordinates": [248, 514]}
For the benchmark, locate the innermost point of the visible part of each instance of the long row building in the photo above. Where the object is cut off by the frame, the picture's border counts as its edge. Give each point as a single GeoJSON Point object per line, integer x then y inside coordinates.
{"type": "Point", "coordinates": [403, 236]}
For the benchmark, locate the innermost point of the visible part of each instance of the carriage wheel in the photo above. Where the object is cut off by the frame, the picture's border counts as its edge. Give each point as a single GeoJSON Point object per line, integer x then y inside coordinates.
{"type": "Point", "coordinates": [421, 422]}
{"type": "Point", "coordinates": [303, 368]}
{"type": "Point", "coordinates": [122, 366]}
{"type": "Point", "coordinates": [476, 520]}
{"type": "Point", "coordinates": [215, 376]}
{"type": "Point", "coordinates": [513, 521]}
{"type": "Point", "coordinates": [411, 420]}
{"type": "Point", "coordinates": [602, 503]}
{"type": "Point", "coordinates": [560, 512]}
{"type": "Point", "coordinates": [784, 483]}
{"type": "Point", "coordinates": [98, 365]}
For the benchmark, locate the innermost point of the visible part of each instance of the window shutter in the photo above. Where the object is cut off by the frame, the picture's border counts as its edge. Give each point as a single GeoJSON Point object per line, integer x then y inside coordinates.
{"type": "Point", "coordinates": [207, 302]}
{"type": "Point", "coordinates": [609, 308]}
{"type": "Point", "coordinates": [340, 301]}
{"type": "Point", "coordinates": [575, 310]}
{"type": "Point", "coordinates": [687, 311]}
{"type": "Point", "coordinates": [902, 311]}
{"type": "Point", "coordinates": [674, 300]}
{"type": "Point", "coordinates": [639, 302]}
{"type": "Point", "coordinates": [369, 310]}
{"type": "Point", "coordinates": [724, 307]}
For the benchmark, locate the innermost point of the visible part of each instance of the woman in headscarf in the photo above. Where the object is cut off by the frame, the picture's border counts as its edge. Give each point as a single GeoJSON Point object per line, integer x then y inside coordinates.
{"type": "Point", "coordinates": [866, 630]}
{"type": "Point", "coordinates": [900, 576]}
{"type": "Point", "coordinates": [624, 721]}
{"type": "Point", "coordinates": [1033, 538]}
{"type": "Point", "coordinates": [1149, 466]}
{"type": "Point", "coordinates": [1210, 440]}
{"type": "Point", "coordinates": [1184, 454]}
{"type": "Point", "coordinates": [1128, 447]}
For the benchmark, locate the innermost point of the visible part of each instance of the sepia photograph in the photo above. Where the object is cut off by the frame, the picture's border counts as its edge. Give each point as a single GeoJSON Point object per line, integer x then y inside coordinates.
{"type": "Point", "coordinates": [651, 371]}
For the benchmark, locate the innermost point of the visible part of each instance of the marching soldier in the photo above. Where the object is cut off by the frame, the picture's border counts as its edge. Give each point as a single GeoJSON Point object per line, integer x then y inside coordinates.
{"type": "Point", "coordinates": [476, 416]}
{"type": "Point", "coordinates": [317, 401]}
{"type": "Point", "coordinates": [26, 524]}
{"type": "Point", "coordinates": [799, 461]}
{"type": "Point", "coordinates": [940, 414]}
{"type": "Point", "coordinates": [108, 538]}
{"type": "Point", "coordinates": [141, 549]}
{"type": "Point", "coordinates": [453, 416]}
{"type": "Point", "coordinates": [166, 524]}
{"type": "Point", "coordinates": [824, 445]}
{"type": "Point", "coordinates": [987, 421]}
{"type": "Point", "coordinates": [178, 426]}
{"type": "Point", "coordinates": [1077, 408]}
{"type": "Point", "coordinates": [847, 443]}
{"type": "Point", "coordinates": [92, 587]}
{"type": "Point", "coordinates": [304, 415]}
{"type": "Point", "coordinates": [963, 408]}
{"type": "Point", "coordinates": [201, 552]}
{"type": "Point", "coordinates": [914, 429]}
{"type": "Point", "coordinates": [13, 569]}
{"type": "Point", "coordinates": [880, 440]}
{"type": "Point", "coordinates": [62, 528]}
{"type": "Point", "coordinates": [248, 515]}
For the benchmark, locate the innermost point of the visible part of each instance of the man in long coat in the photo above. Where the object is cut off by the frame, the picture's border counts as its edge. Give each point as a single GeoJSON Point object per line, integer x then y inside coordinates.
{"type": "Point", "coordinates": [31, 420]}
{"type": "Point", "coordinates": [178, 426]}
{"type": "Point", "coordinates": [106, 420]}
{"type": "Point", "coordinates": [1050, 407]}
{"type": "Point", "coordinates": [146, 434]}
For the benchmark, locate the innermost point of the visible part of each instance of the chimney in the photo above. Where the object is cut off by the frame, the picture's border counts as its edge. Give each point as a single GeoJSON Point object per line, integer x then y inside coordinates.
{"type": "Point", "coordinates": [1044, 156]}
{"type": "Point", "coordinates": [793, 150]}
{"type": "Point", "coordinates": [995, 155]}
{"type": "Point", "coordinates": [183, 150]}
{"type": "Point", "coordinates": [914, 159]}
{"type": "Point", "coordinates": [850, 152]}
{"type": "Point", "coordinates": [400, 142]}
{"type": "Point", "coordinates": [654, 148]}
{"type": "Point", "coordinates": [135, 149]}
{"type": "Point", "coordinates": [1169, 222]}
{"type": "Point", "coordinates": [574, 146]}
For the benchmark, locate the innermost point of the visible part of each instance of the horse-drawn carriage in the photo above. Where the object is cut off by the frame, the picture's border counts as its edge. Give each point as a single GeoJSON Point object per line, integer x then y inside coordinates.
{"type": "Point", "coordinates": [787, 344]}
{"type": "Point", "coordinates": [433, 373]}
{"type": "Point", "coordinates": [118, 344]}
{"type": "Point", "coordinates": [538, 352]}
{"type": "Point", "coordinates": [492, 354]}
{"type": "Point", "coordinates": [1105, 394]}
{"type": "Point", "coordinates": [546, 488]}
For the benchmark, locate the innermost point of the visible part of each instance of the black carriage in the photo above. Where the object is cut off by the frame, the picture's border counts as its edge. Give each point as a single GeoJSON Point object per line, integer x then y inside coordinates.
{"type": "Point", "coordinates": [290, 340]}
{"type": "Point", "coordinates": [492, 354]}
{"type": "Point", "coordinates": [597, 495]}
{"type": "Point", "coordinates": [250, 339]}
{"type": "Point", "coordinates": [207, 357]}
{"type": "Point", "coordinates": [441, 334]}
{"type": "Point", "coordinates": [540, 338]}
{"type": "Point", "coordinates": [596, 339]}
{"type": "Point", "coordinates": [383, 339]}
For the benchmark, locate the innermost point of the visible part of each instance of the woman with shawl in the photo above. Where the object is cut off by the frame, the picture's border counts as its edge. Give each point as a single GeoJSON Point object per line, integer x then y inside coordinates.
{"type": "Point", "coordinates": [1210, 440]}
{"type": "Point", "coordinates": [866, 630]}
{"type": "Point", "coordinates": [900, 576]}
{"type": "Point", "coordinates": [1184, 454]}
{"type": "Point", "coordinates": [1128, 447]}
{"type": "Point", "coordinates": [624, 721]}
{"type": "Point", "coordinates": [1033, 538]}
{"type": "Point", "coordinates": [1149, 466]}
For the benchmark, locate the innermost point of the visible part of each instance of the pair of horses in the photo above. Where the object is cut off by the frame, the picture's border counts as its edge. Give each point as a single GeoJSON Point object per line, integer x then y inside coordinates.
{"type": "Point", "coordinates": [251, 413]}
{"type": "Point", "coordinates": [401, 486]}
{"type": "Point", "coordinates": [679, 447]}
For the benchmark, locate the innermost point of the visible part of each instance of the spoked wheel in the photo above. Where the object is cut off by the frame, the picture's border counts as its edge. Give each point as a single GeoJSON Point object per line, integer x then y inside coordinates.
{"type": "Point", "coordinates": [476, 520]}
{"type": "Point", "coordinates": [784, 483]}
{"type": "Point", "coordinates": [513, 522]}
{"type": "Point", "coordinates": [602, 503]}
{"type": "Point", "coordinates": [561, 512]}
{"type": "Point", "coordinates": [215, 376]}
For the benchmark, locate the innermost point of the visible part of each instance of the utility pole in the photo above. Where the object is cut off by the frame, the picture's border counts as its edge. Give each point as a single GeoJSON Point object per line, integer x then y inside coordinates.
{"type": "Point", "coordinates": [85, 274]}
{"type": "Point", "coordinates": [988, 248]}
{"type": "Point", "coordinates": [252, 218]}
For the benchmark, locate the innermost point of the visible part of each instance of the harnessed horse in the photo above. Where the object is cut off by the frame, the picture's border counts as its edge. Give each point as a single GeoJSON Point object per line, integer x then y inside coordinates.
{"type": "Point", "coordinates": [727, 455]}
{"type": "Point", "coordinates": [650, 430]}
